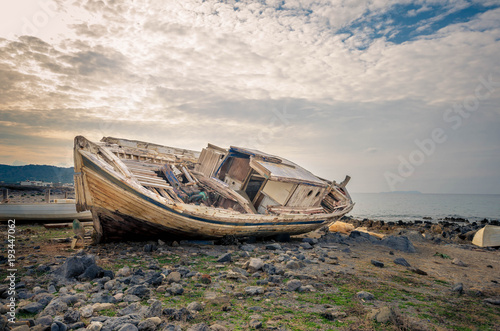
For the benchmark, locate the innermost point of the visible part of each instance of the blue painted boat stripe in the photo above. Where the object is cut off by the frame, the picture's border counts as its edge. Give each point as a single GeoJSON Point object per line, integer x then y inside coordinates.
{"type": "Point", "coordinates": [91, 165]}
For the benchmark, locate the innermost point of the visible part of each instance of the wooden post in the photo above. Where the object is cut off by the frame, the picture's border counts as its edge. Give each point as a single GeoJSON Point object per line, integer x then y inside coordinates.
{"type": "Point", "coordinates": [5, 193]}
{"type": "Point", "coordinates": [65, 194]}
{"type": "Point", "coordinates": [47, 196]}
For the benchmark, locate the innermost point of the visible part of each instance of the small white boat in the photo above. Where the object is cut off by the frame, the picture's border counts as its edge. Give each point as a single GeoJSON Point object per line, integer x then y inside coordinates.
{"type": "Point", "coordinates": [489, 236]}
{"type": "Point", "coordinates": [50, 212]}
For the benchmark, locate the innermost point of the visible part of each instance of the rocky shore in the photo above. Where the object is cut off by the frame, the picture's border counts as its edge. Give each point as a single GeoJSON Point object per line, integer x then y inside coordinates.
{"type": "Point", "coordinates": [418, 277]}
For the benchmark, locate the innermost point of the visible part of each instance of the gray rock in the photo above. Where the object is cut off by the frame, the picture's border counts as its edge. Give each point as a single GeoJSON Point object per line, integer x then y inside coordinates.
{"type": "Point", "coordinates": [154, 310]}
{"type": "Point", "coordinates": [71, 316]}
{"type": "Point", "coordinates": [224, 258]}
{"type": "Point", "coordinates": [273, 247]}
{"type": "Point", "coordinates": [52, 289]}
{"type": "Point", "coordinates": [306, 245]}
{"type": "Point", "coordinates": [359, 236]}
{"type": "Point", "coordinates": [199, 327]}
{"type": "Point", "coordinates": [110, 285]}
{"type": "Point", "coordinates": [44, 320]}
{"type": "Point", "coordinates": [32, 308]}
{"type": "Point", "coordinates": [255, 324]}
{"type": "Point", "coordinates": [86, 311]}
{"type": "Point", "coordinates": [307, 288]}
{"type": "Point", "coordinates": [493, 301]}
{"type": "Point", "coordinates": [458, 288]}
{"type": "Point", "coordinates": [173, 277]}
{"type": "Point", "coordinates": [124, 272]}
{"type": "Point", "coordinates": [139, 290]}
{"type": "Point", "coordinates": [58, 326]}
{"type": "Point", "coordinates": [241, 271]}
{"type": "Point", "coordinates": [43, 298]}
{"type": "Point", "coordinates": [365, 295]}
{"type": "Point", "coordinates": [400, 243]}
{"type": "Point", "coordinates": [131, 298]}
{"type": "Point", "coordinates": [293, 285]}
{"type": "Point", "coordinates": [148, 248]}
{"type": "Point", "coordinates": [75, 266]}
{"type": "Point", "coordinates": [114, 323]}
{"type": "Point", "coordinates": [175, 289]}
{"type": "Point", "coordinates": [382, 315]}
{"type": "Point", "coordinates": [255, 264]}
{"type": "Point", "coordinates": [91, 272]}
{"type": "Point", "coordinates": [195, 306]}
{"type": "Point", "coordinates": [377, 263]}
{"type": "Point", "coordinates": [94, 326]}
{"type": "Point", "coordinates": [417, 271]}
{"type": "Point", "coordinates": [55, 307]}
{"type": "Point", "coordinates": [76, 326]}
{"type": "Point", "coordinates": [292, 265]}
{"type": "Point", "coordinates": [254, 290]}
{"type": "Point", "coordinates": [458, 262]}
{"type": "Point", "coordinates": [247, 247]}
{"type": "Point", "coordinates": [172, 327]}
{"type": "Point", "coordinates": [133, 308]}
{"type": "Point", "coordinates": [218, 327]}
{"type": "Point", "coordinates": [402, 261]}
{"type": "Point", "coordinates": [102, 298]}
{"type": "Point", "coordinates": [128, 327]}
{"type": "Point", "coordinates": [333, 314]}
{"type": "Point", "coordinates": [149, 324]}
{"type": "Point", "coordinates": [178, 314]}
{"type": "Point", "coordinates": [71, 299]}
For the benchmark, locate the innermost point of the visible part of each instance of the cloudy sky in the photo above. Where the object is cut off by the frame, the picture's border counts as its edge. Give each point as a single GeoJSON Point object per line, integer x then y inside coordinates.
{"type": "Point", "coordinates": [401, 95]}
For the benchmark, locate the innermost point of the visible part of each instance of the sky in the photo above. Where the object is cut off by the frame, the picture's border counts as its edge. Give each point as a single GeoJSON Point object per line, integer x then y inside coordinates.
{"type": "Point", "coordinates": [400, 95]}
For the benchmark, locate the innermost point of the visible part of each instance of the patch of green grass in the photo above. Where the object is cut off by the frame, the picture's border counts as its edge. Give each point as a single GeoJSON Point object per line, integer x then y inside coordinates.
{"type": "Point", "coordinates": [25, 315]}
{"type": "Point", "coordinates": [108, 312]}
{"type": "Point", "coordinates": [441, 255]}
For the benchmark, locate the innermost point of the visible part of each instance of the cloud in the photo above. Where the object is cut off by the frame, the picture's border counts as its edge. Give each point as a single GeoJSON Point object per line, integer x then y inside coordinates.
{"type": "Point", "coordinates": [190, 72]}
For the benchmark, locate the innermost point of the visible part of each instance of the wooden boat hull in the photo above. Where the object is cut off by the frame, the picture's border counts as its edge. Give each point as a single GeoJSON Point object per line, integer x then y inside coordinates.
{"type": "Point", "coordinates": [121, 211]}
{"type": "Point", "coordinates": [42, 212]}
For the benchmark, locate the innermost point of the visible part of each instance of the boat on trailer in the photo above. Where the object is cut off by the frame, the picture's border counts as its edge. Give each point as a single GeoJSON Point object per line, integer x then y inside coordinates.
{"type": "Point", "coordinates": [137, 190]}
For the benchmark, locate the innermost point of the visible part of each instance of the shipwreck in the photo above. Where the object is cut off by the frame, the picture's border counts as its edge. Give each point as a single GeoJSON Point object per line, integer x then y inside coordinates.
{"type": "Point", "coordinates": [138, 190]}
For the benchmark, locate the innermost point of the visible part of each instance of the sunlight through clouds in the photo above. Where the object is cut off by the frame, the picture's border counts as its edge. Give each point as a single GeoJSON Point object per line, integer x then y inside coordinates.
{"type": "Point", "coordinates": [360, 80]}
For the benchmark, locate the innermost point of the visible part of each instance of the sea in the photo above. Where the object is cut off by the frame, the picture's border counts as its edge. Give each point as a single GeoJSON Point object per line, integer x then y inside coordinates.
{"type": "Point", "coordinates": [415, 206]}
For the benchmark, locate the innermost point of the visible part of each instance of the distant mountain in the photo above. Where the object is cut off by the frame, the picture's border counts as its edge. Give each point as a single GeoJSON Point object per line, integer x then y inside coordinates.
{"type": "Point", "coordinates": [46, 173]}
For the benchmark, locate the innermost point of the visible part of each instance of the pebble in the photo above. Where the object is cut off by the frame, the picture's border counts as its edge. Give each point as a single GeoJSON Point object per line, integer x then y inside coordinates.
{"type": "Point", "coordinates": [458, 262]}
{"type": "Point", "coordinates": [402, 261]}
{"type": "Point", "coordinates": [458, 288]}
{"type": "Point", "coordinates": [224, 258]}
{"type": "Point", "coordinates": [94, 326]}
{"type": "Point", "coordinates": [381, 315]}
{"type": "Point", "coordinates": [255, 264]}
{"type": "Point", "coordinates": [293, 285]}
{"type": "Point", "coordinates": [273, 247]}
{"type": "Point", "coordinates": [365, 295]}
{"type": "Point", "coordinates": [377, 263]}
{"type": "Point", "coordinates": [254, 290]}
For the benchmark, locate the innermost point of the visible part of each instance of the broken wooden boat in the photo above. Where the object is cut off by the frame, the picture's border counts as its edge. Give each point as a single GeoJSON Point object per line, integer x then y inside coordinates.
{"type": "Point", "coordinates": [137, 190]}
